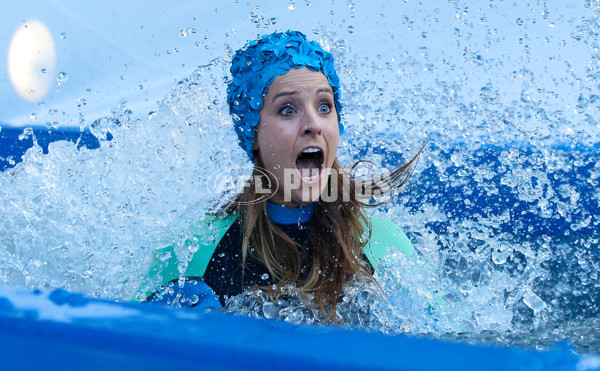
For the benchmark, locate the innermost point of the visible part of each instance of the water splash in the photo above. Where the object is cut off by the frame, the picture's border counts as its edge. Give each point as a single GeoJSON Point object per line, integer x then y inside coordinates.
{"type": "Point", "coordinates": [503, 207]}
{"type": "Point", "coordinates": [86, 220]}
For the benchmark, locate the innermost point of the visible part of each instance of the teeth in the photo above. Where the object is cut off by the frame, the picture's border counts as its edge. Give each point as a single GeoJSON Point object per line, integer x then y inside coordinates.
{"type": "Point", "coordinates": [310, 178]}
{"type": "Point", "coordinates": [310, 175]}
{"type": "Point", "coordinates": [311, 150]}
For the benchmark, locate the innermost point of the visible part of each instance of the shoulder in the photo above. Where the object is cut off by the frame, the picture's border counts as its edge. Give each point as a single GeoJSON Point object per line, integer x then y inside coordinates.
{"type": "Point", "coordinates": [385, 236]}
{"type": "Point", "coordinates": [164, 265]}
{"type": "Point", "coordinates": [207, 235]}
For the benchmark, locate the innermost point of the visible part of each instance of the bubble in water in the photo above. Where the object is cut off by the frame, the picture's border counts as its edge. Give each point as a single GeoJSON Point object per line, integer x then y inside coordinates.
{"type": "Point", "coordinates": [265, 276]}
{"type": "Point", "coordinates": [271, 21]}
{"type": "Point", "coordinates": [519, 22]}
{"type": "Point", "coordinates": [292, 5]}
{"type": "Point", "coordinates": [63, 35]}
{"type": "Point", "coordinates": [350, 29]}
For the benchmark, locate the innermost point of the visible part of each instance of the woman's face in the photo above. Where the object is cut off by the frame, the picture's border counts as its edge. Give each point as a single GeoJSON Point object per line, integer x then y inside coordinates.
{"type": "Point", "coordinates": [298, 135]}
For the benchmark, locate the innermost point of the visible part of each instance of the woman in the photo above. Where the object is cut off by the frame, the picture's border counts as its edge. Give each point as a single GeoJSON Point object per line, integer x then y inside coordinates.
{"type": "Point", "coordinates": [312, 232]}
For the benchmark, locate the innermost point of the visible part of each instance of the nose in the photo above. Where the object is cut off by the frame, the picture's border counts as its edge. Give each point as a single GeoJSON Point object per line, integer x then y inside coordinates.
{"type": "Point", "coordinates": [312, 122]}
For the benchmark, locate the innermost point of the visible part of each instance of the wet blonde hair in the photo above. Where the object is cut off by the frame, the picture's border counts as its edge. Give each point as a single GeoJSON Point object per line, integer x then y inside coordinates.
{"type": "Point", "coordinates": [336, 237]}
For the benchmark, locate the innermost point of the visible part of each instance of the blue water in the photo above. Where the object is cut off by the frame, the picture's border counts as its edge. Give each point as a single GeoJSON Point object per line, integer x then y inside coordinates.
{"type": "Point", "coordinates": [503, 207]}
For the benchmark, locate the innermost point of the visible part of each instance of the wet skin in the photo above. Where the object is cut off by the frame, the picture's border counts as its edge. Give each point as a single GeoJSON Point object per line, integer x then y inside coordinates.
{"type": "Point", "coordinates": [298, 113]}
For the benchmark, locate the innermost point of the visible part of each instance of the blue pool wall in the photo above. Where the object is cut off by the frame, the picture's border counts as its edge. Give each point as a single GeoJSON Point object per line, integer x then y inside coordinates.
{"type": "Point", "coordinates": [61, 330]}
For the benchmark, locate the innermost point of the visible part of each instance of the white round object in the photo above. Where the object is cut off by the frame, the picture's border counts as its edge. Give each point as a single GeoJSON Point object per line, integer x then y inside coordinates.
{"type": "Point", "coordinates": [32, 61]}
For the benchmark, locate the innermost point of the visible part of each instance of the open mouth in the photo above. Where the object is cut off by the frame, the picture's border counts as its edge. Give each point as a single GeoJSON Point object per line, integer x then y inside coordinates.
{"type": "Point", "coordinates": [309, 164]}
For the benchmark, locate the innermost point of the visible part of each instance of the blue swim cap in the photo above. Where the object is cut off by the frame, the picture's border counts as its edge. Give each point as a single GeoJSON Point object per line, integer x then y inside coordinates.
{"type": "Point", "coordinates": [255, 67]}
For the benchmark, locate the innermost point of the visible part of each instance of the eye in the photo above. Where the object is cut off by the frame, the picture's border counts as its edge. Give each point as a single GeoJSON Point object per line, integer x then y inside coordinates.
{"type": "Point", "coordinates": [325, 108]}
{"type": "Point", "coordinates": [287, 110]}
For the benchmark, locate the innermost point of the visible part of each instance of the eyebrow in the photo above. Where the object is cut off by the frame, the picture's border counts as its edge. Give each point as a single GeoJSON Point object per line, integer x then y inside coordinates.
{"type": "Point", "coordinates": [294, 92]}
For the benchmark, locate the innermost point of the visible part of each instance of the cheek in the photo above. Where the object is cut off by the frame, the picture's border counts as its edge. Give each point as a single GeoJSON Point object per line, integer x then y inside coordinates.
{"type": "Point", "coordinates": [264, 139]}
{"type": "Point", "coordinates": [274, 141]}
{"type": "Point", "coordinates": [334, 141]}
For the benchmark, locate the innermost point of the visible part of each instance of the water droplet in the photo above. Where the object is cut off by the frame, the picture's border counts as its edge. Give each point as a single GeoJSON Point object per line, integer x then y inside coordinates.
{"type": "Point", "coordinates": [33, 116]}
{"type": "Point", "coordinates": [500, 255]}
{"type": "Point", "coordinates": [270, 310]}
{"type": "Point", "coordinates": [164, 256]}
{"type": "Point", "coordinates": [265, 276]}
{"type": "Point", "coordinates": [62, 78]}
{"type": "Point", "coordinates": [187, 32]}
{"type": "Point", "coordinates": [272, 21]}
{"type": "Point", "coordinates": [27, 132]}
{"type": "Point", "coordinates": [43, 70]}
{"type": "Point", "coordinates": [292, 6]}
{"type": "Point", "coordinates": [533, 301]}
{"type": "Point", "coordinates": [254, 18]}
{"type": "Point", "coordinates": [277, 166]}
{"type": "Point", "coordinates": [307, 2]}
{"type": "Point", "coordinates": [63, 35]}
{"type": "Point", "coordinates": [52, 125]}
{"type": "Point", "coordinates": [488, 94]}
{"type": "Point", "coordinates": [350, 29]}
{"type": "Point", "coordinates": [545, 13]}
{"type": "Point", "coordinates": [519, 22]}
